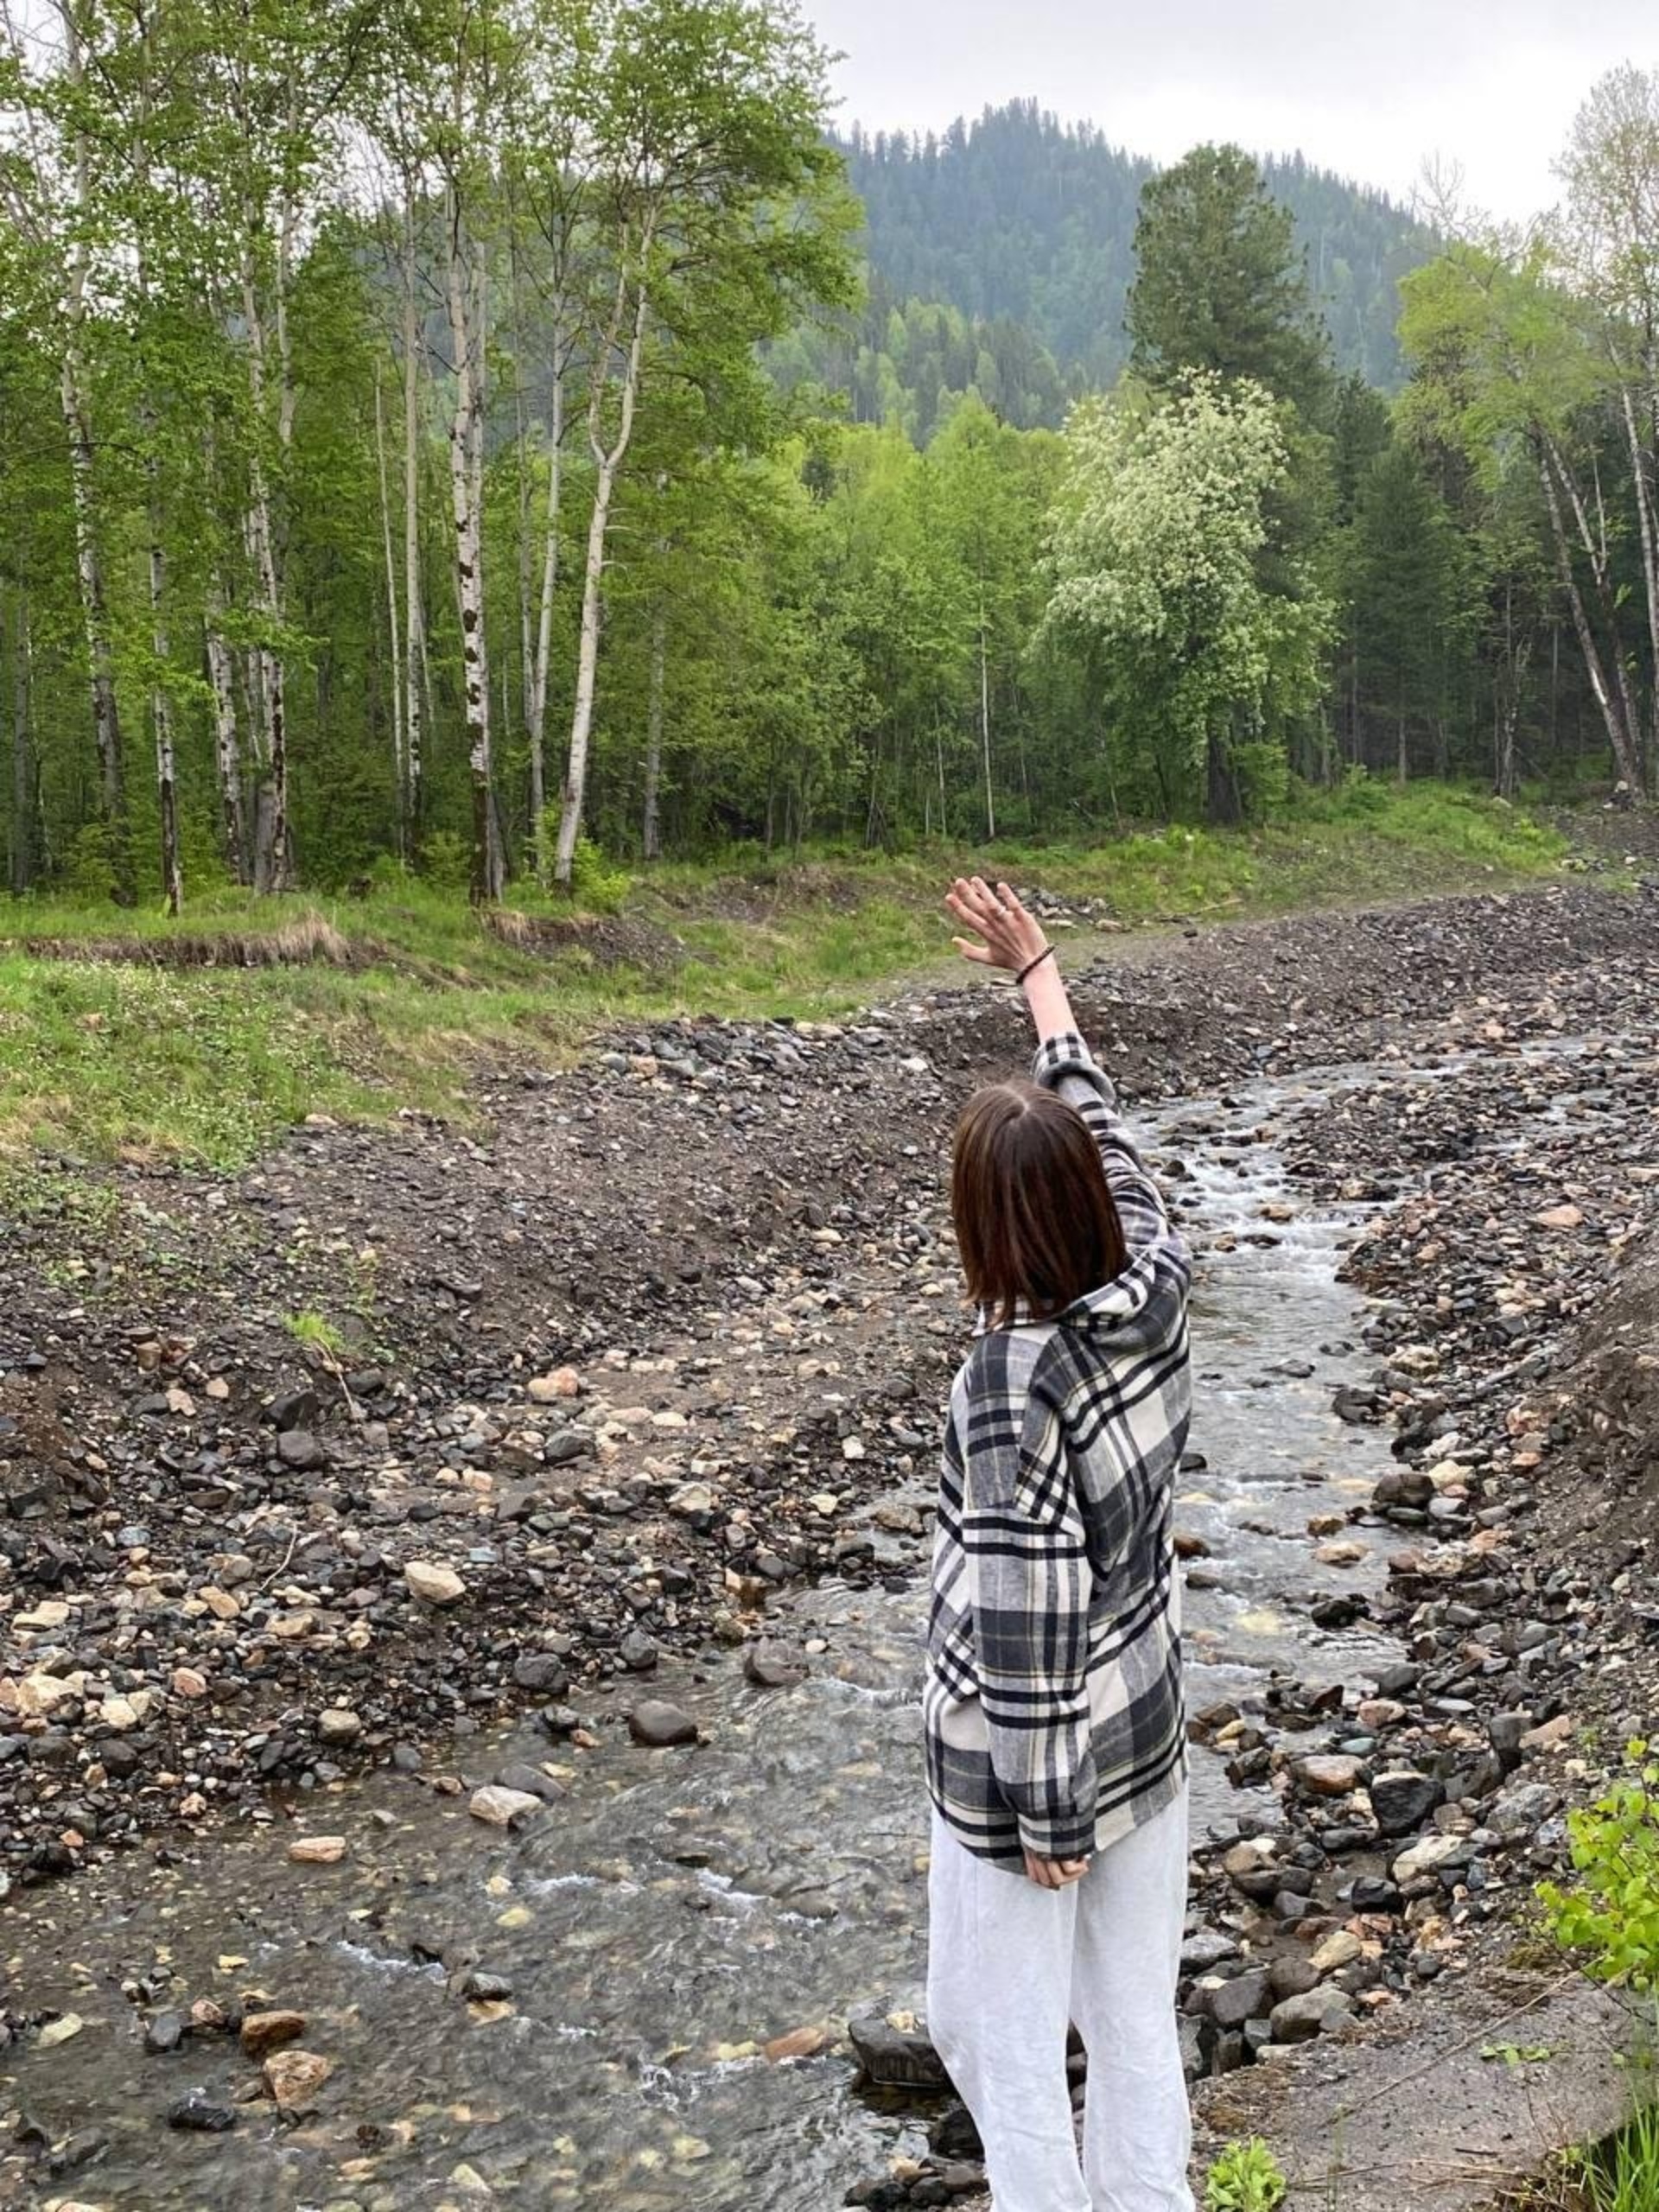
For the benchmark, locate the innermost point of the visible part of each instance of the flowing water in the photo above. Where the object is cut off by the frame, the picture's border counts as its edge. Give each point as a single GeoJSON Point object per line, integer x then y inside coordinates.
{"type": "Point", "coordinates": [677, 1910]}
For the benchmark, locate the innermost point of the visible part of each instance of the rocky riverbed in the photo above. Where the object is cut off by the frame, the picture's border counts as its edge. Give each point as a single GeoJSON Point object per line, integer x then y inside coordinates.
{"type": "Point", "coordinates": [314, 1473]}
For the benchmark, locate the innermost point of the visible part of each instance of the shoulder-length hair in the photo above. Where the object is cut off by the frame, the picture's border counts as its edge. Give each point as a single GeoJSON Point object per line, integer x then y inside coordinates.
{"type": "Point", "coordinates": [1034, 1217]}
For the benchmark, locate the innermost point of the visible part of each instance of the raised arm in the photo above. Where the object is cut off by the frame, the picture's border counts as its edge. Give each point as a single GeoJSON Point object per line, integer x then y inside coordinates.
{"type": "Point", "coordinates": [1010, 937]}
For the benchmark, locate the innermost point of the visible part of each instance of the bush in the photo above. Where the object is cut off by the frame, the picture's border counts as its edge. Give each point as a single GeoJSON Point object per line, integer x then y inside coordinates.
{"type": "Point", "coordinates": [1611, 1912]}
{"type": "Point", "coordinates": [595, 882]}
{"type": "Point", "coordinates": [447, 861]}
{"type": "Point", "coordinates": [1246, 2178]}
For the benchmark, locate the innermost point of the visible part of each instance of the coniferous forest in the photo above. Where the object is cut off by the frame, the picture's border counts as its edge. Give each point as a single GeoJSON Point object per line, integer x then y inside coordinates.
{"type": "Point", "coordinates": [469, 437]}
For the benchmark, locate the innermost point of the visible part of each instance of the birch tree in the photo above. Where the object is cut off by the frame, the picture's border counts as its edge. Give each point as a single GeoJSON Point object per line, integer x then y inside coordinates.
{"type": "Point", "coordinates": [1611, 240]}
{"type": "Point", "coordinates": [46, 179]}
{"type": "Point", "coordinates": [712, 195]}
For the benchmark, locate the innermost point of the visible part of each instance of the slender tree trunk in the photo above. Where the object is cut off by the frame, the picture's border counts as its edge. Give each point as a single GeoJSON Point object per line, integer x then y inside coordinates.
{"type": "Point", "coordinates": [1222, 802]}
{"type": "Point", "coordinates": [537, 716]}
{"type": "Point", "coordinates": [464, 436]}
{"type": "Point", "coordinates": [1646, 492]}
{"type": "Point", "coordinates": [608, 460]}
{"type": "Point", "coordinates": [226, 747]}
{"type": "Point", "coordinates": [414, 636]}
{"type": "Point", "coordinates": [985, 717]}
{"type": "Point", "coordinates": [94, 609]}
{"type": "Point", "coordinates": [399, 779]}
{"type": "Point", "coordinates": [22, 766]}
{"type": "Point", "coordinates": [652, 841]}
{"type": "Point", "coordinates": [1619, 734]}
{"type": "Point", "coordinates": [161, 708]}
{"type": "Point", "coordinates": [95, 623]}
{"type": "Point", "coordinates": [270, 854]}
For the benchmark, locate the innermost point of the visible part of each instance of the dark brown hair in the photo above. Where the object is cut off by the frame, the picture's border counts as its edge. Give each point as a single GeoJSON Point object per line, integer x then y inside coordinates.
{"type": "Point", "coordinates": [1034, 1217]}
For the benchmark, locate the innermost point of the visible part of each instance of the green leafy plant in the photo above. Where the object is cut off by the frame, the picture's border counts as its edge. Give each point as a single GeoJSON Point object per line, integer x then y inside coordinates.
{"type": "Point", "coordinates": [316, 1331]}
{"type": "Point", "coordinates": [1611, 1911]}
{"type": "Point", "coordinates": [1246, 2178]}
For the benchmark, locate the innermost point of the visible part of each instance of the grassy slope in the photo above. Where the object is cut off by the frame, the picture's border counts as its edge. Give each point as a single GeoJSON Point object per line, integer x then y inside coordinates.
{"type": "Point", "coordinates": [99, 1056]}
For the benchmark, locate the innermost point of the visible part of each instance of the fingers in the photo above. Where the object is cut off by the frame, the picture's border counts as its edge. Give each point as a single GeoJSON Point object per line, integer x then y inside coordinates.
{"type": "Point", "coordinates": [981, 954]}
{"type": "Point", "coordinates": [1055, 1873]}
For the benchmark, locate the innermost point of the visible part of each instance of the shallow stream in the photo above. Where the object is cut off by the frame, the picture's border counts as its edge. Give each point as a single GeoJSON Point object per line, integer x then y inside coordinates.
{"type": "Point", "coordinates": [677, 1910]}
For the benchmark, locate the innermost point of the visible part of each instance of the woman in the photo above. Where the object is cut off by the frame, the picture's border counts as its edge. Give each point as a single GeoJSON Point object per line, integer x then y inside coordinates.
{"type": "Point", "coordinates": [1056, 1741]}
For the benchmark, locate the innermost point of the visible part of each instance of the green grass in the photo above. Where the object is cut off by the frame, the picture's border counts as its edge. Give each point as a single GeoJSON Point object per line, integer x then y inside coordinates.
{"type": "Point", "coordinates": [1619, 2175]}
{"type": "Point", "coordinates": [99, 1057]}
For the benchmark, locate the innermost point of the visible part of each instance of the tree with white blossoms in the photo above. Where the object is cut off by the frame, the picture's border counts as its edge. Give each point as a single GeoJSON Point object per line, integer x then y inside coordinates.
{"type": "Point", "coordinates": [1154, 544]}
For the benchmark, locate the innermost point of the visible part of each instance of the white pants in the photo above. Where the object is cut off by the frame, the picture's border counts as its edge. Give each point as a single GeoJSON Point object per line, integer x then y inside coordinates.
{"type": "Point", "coordinates": [1010, 1966]}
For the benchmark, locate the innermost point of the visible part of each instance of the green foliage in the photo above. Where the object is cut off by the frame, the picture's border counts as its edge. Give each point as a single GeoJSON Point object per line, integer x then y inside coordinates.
{"type": "Point", "coordinates": [1610, 1912]}
{"type": "Point", "coordinates": [595, 882]}
{"type": "Point", "coordinates": [1220, 285]}
{"type": "Point", "coordinates": [1017, 215]}
{"type": "Point", "coordinates": [1155, 549]}
{"type": "Point", "coordinates": [1246, 2178]}
{"type": "Point", "coordinates": [1619, 2175]}
{"type": "Point", "coordinates": [316, 1331]}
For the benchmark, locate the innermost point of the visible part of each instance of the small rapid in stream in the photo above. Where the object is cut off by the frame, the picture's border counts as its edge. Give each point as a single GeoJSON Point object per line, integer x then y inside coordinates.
{"type": "Point", "coordinates": [676, 1910]}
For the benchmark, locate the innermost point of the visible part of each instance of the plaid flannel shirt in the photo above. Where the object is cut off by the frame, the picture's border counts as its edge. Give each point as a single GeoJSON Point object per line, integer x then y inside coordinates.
{"type": "Point", "coordinates": [1052, 1701]}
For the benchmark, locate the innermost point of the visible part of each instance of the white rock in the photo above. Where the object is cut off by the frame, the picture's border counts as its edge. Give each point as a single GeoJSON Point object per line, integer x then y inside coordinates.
{"type": "Point", "coordinates": [432, 1584]}
{"type": "Point", "coordinates": [502, 1808]}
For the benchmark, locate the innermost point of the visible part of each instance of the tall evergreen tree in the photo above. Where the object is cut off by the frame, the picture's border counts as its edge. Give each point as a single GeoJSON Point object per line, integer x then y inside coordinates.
{"type": "Point", "coordinates": [1221, 284]}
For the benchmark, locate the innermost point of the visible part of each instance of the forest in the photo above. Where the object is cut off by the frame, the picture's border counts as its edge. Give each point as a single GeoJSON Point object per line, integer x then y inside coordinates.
{"type": "Point", "coordinates": [497, 440]}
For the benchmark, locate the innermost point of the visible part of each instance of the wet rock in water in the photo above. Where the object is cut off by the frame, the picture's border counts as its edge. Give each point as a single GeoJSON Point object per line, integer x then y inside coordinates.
{"type": "Point", "coordinates": [530, 1782]}
{"type": "Point", "coordinates": [800, 2043]}
{"type": "Point", "coordinates": [264, 2032]}
{"type": "Point", "coordinates": [1320, 2011]}
{"type": "Point", "coordinates": [498, 1807]}
{"type": "Point", "coordinates": [433, 1583]}
{"type": "Point", "coordinates": [955, 2135]}
{"type": "Point", "coordinates": [773, 1666]}
{"type": "Point", "coordinates": [1402, 1800]}
{"type": "Point", "coordinates": [317, 1849]}
{"type": "Point", "coordinates": [895, 2052]}
{"type": "Point", "coordinates": [659, 1726]}
{"type": "Point", "coordinates": [638, 1652]}
{"type": "Point", "coordinates": [295, 2077]}
{"type": "Point", "coordinates": [485, 1988]}
{"type": "Point", "coordinates": [163, 2033]}
{"type": "Point", "coordinates": [1330, 1774]}
{"type": "Point", "coordinates": [198, 2115]}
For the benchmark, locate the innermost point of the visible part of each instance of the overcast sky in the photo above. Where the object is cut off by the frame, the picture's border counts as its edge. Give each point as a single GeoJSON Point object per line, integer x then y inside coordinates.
{"type": "Point", "coordinates": [1372, 88]}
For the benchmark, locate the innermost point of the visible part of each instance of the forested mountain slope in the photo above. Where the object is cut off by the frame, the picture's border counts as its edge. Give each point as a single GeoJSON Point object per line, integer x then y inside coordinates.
{"type": "Point", "coordinates": [1018, 216]}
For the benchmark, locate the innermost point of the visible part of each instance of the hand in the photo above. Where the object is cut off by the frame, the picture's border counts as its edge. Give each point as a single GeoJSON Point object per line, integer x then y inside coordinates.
{"type": "Point", "coordinates": [1012, 937]}
{"type": "Point", "coordinates": [1054, 1873]}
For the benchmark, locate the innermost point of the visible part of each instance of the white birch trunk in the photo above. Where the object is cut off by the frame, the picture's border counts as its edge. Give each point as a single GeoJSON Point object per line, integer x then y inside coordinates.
{"type": "Point", "coordinates": [393, 631]}
{"type": "Point", "coordinates": [652, 842]}
{"type": "Point", "coordinates": [414, 639]}
{"type": "Point", "coordinates": [465, 470]}
{"type": "Point", "coordinates": [609, 460]}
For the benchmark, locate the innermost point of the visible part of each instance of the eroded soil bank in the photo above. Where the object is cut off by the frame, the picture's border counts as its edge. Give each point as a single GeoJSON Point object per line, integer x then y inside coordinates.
{"type": "Point", "coordinates": [314, 1473]}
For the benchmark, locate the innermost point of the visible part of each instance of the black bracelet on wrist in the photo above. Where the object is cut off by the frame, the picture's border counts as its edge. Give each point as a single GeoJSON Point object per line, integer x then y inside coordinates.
{"type": "Point", "coordinates": [1047, 953]}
